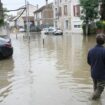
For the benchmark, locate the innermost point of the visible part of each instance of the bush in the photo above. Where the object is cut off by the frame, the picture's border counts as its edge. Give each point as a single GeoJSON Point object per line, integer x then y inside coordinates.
{"type": "Point", "coordinates": [100, 26]}
{"type": "Point", "coordinates": [103, 24]}
{"type": "Point", "coordinates": [91, 29]}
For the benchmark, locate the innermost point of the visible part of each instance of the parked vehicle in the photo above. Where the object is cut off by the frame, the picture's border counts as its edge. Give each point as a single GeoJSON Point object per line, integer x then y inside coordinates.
{"type": "Point", "coordinates": [58, 32]}
{"type": "Point", "coordinates": [49, 30]}
{"type": "Point", "coordinates": [35, 28]}
{"type": "Point", "coordinates": [44, 31]}
{"type": "Point", "coordinates": [21, 30]}
{"type": "Point", "coordinates": [6, 49]}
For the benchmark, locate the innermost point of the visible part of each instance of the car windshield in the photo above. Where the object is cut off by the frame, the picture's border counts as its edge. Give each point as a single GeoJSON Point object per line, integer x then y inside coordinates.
{"type": "Point", "coordinates": [45, 29]}
{"type": "Point", "coordinates": [4, 31]}
{"type": "Point", "coordinates": [2, 41]}
{"type": "Point", "coordinates": [50, 29]}
{"type": "Point", "coordinates": [4, 34]}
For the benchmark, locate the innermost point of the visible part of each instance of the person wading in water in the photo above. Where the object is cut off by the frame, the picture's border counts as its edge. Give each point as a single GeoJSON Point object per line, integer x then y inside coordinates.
{"type": "Point", "coordinates": [96, 60]}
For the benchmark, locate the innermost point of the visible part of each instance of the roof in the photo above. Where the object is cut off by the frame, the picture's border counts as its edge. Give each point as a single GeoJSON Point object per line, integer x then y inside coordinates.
{"type": "Point", "coordinates": [40, 9]}
{"type": "Point", "coordinates": [43, 7]}
{"type": "Point", "coordinates": [31, 18]}
{"type": "Point", "coordinates": [28, 4]}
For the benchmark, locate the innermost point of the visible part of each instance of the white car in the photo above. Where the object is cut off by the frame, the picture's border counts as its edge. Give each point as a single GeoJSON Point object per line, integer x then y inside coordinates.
{"type": "Point", "coordinates": [44, 31]}
{"type": "Point", "coordinates": [21, 29]}
{"type": "Point", "coordinates": [58, 32]}
{"type": "Point", "coordinates": [49, 30]}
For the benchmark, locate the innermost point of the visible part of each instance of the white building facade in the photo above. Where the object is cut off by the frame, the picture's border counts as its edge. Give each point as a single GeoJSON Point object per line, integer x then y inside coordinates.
{"type": "Point", "coordinates": [76, 22]}
{"type": "Point", "coordinates": [67, 15]}
{"type": "Point", "coordinates": [21, 20]}
{"type": "Point", "coordinates": [44, 16]}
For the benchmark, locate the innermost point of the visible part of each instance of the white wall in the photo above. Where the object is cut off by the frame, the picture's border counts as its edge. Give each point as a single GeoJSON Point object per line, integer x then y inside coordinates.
{"type": "Point", "coordinates": [75, 21]}
{"type": "Point", "coordinates": [31, 10]}
{"type": "Point", "coordinates": [20, 22]}
{"type": "Point", "coordinates": [11, 23]}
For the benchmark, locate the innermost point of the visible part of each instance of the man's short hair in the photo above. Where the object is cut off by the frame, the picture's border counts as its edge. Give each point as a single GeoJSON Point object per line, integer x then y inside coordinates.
{"type": "Point", "coordinates": [100, 39]}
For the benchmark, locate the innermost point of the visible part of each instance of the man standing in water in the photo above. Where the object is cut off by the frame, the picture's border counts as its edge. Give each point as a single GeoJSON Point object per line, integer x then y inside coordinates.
{"type": "Point", "coordinates": [96, 60]}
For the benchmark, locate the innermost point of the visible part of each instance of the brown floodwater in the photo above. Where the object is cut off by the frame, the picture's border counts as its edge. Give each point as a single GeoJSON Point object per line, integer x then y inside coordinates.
{"type": "Point", "coordinates": [53, 72]}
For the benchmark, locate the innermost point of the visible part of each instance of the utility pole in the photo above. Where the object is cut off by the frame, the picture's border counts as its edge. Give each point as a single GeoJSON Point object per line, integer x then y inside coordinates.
{"type": "Point", "coordinates": [46, 20]}
{"type": "Point", "coordinates": [27, 19]}
{"type": "Point", "coordinates": [58, 13]}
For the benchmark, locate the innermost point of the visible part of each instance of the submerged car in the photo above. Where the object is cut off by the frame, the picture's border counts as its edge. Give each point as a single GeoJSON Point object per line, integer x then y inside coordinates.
{"type": "Point", "coordinates": [21, 30]}
{"type": "Point", "coordinates": [49, 30]}
{"type": "Point", "coordinates": [6, 49]}
{"type": "Point", "coordinates": [58, 32]}
{"type": "Point", "coordinates": [44, 31]}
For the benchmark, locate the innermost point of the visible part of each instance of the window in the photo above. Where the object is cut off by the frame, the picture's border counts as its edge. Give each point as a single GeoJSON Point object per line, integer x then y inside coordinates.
{"type": "Point", "coordinates": [55, 23]}
{"type": "Point", "coordinates": [65, 10]}
{"type": "Point", "coordinates": [56, 13]}
{"type": "Point", "coordinates": [60, 11]}
{"type": "Point", "coordinates": [77, 26]}
{"type": "Point", "coordinates": [67, 24]}
{"type": "Point", "coordinates": [76, 9]}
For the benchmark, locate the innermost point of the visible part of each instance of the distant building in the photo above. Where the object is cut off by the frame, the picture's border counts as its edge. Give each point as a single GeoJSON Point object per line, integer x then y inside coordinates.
{"type": "Point", "coordinates": [21, 20]}
{"type": "Point", "coordinates": [44, 16]}
{"type": "Point", "coordinates": [62, 14]}
{"type": "Point", "coordinates": [67, 15]}
{"type": "Point", "coordinates": [76, 22]}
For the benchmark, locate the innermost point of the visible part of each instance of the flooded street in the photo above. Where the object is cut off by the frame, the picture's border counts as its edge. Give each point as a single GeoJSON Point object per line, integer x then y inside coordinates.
{"type": "Point", "coordinates": [51, 73]}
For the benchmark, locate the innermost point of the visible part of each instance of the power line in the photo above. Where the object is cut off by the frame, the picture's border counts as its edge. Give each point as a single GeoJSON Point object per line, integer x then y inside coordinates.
{"type": "Point", "coordinates": [15, 9]}
{"type": "Point", "coordinates": [12, 10]}
{"type": "Point", "coordinates": [20, 14]}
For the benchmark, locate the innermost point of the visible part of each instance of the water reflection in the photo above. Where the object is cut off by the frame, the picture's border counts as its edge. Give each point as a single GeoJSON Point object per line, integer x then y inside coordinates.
{"type": "Point", "coordinates": [56, 73]}
{"type": "Point", "coordinates": [98, 102]}
{"type": "Point", "coordinates": [6, 69]}
{"type": "Point", "coordinates": [72, 58]}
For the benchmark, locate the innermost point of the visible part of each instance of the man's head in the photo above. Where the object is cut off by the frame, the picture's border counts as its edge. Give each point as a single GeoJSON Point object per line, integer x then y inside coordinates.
{"type": "Point", "coordinates": [100, 39]}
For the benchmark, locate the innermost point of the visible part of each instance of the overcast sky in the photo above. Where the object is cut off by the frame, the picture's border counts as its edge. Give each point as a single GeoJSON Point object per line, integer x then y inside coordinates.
{"type": "Point", "coordinates": [14, 4]}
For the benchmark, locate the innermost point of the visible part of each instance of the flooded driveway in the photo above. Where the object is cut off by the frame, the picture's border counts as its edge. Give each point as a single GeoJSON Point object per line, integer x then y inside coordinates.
{"type": "Point", "coordinates": [51, 73]}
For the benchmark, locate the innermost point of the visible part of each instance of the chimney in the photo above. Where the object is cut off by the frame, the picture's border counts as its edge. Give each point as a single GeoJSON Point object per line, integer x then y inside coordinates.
{"type": "Point", "coordinates": [37, 6]}
{"type": "Point", "coordinates": [46, 2]}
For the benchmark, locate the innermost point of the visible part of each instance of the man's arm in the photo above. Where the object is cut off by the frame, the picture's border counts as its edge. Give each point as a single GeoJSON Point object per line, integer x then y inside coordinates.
{"type": "Point", "coordinates": [88, 58]}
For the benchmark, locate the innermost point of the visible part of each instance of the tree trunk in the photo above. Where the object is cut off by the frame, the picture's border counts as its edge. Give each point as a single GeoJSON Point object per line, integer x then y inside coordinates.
{"type": "Point", "coordinates": [102, 9]}
{"type": "Point", "coordinates": [87, 27]}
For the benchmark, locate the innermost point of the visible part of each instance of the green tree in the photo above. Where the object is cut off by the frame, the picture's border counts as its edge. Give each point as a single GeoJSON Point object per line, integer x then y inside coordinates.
{"type": "Point", "coordinates": [1, 14]}
{"type": "Point", "coordinates": [89, 12]}
{"type": "Point", "coordinates": [4, 14]}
